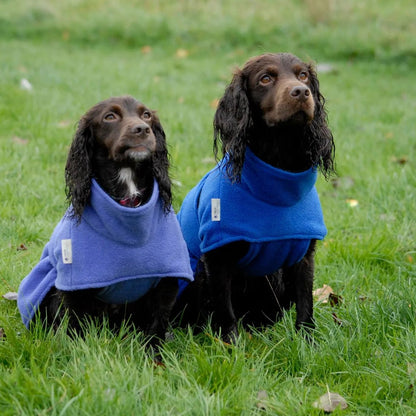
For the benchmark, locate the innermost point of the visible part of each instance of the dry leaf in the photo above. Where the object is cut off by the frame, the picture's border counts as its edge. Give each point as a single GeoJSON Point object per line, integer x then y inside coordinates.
{"type": "Point", "coordinates": [19, 140]}
{"type": "Point", "coordinates": [10, 296]}
{"type": "Point", "coordinates": [344, 182]}
{"type": "Point", "coordinates": [25, 85]}
{"type": "Point", "coordinates": [322, 294]}
{"type": "Point", "coordinates": [329, 402]}
{"type": "Point", "coordinates": [261, 396]}
{"type": "Point", "coordinates": [352, 202]}
{"type": "Point", "coordinates": [400, 160]}
{"type": "Point", "coordinates": [146, 49]}
{"type": "Point", "coordinates": [63, 124]}
{"type": "Point", "coordinates": [182, 53]}
{"type": "Point", "coordinates": [335, 300]}
{"type": "Point", "coordinates": [214, 103]}
{"type": "Point", "coordinates": [22, 247]}
{"type": "Point", "coordinates": [336, 319]}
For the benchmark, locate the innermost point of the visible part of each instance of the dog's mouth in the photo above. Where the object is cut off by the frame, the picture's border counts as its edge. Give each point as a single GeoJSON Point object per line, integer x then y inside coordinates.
{"type": "Point", "coordinates": [136, 152]}
{"type": "Point", "coordinates": [298, 118]}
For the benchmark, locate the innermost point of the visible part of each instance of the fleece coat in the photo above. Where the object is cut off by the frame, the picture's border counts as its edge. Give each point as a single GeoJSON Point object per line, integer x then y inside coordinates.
{"type": "Point", "coordinates": [276, 211]}
{"type": "Point", "coordinates": [124, 251]}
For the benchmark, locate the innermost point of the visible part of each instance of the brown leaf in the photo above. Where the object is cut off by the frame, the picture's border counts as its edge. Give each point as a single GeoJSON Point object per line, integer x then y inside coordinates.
{"type": "Point", "coordinates": [400, 160]}
{"type": "Point", "coordinates": [329, 402]}
{"type": "Point", "coordinates": [336, 319]}
{"type": "Point", "coordinates": [335, 300]}
{"type": "Point", "coordinates": [63, 124]}
{"type": "Point", "coordinates": [146, 49]}
{"type": "Point", "coordinates": [343, 182]}
{"type": "Point", "coordinates": [19, 140]}
{"type": "Point", "coordinates": [352, 202]}
{"type": "Point", "coordinates": [261, 396]}
{"type": "Point", "coordinates": [214, 103]}
{"type": "Point", "coordinates": [10, 296]}
{"type": "Point", "coordinates": [322, 294]}
{"type": "Point", "coordinates": [182, 53]}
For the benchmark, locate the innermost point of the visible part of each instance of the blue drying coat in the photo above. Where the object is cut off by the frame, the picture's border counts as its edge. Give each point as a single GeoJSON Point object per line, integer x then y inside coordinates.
{"type": "Point", "coordinates": [276, 211]}
{"type": "Point", "coordinates": [124, 251]}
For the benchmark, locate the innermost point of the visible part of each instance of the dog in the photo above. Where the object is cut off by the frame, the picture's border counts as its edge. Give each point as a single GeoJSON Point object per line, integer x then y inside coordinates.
{"type": "Point", "coordinates": [252, 222]}
{"type": "Point", "coordinates": [118, 251]}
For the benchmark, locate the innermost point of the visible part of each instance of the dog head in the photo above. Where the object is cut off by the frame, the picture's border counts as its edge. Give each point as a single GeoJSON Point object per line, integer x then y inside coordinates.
{"type": "Point", "coordinates": [116, 133]}
{"type": "Point", "coordinates": [274, 98]}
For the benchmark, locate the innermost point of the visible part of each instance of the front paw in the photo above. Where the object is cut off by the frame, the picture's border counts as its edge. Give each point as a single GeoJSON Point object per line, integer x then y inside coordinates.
{"type": "Point", "coordinates": [229, 334]}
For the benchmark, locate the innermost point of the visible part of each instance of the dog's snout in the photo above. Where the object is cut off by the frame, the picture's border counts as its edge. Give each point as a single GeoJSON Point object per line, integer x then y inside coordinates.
{"type": "Point", "coordinates": [141, 129]}
{"type": "Point", "coordinates": [300, 92]}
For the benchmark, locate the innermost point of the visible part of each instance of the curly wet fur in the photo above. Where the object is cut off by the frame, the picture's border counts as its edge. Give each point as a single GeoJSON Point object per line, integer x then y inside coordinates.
{"type": "Point", "coordinates": [274, 105]}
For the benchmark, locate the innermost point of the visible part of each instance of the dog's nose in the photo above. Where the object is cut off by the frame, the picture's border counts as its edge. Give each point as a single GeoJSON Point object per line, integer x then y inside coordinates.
{"type": "Point", "coordinates": [300, 92]}
{"type": "Point", "coordinates": [141, 129]}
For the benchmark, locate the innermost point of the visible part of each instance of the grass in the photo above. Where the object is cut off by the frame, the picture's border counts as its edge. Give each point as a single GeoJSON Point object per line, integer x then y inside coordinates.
{"type": "Point", "coordinates": [177, 57]}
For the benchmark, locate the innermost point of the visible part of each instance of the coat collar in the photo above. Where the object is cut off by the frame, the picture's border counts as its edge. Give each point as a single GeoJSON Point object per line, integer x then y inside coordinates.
{"type": "Point", "coordinates": [273, 185]}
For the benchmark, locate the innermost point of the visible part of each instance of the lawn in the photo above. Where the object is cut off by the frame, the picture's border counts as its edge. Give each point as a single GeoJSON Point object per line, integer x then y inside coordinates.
{"type": "Point", "coordinates": [177, 57]}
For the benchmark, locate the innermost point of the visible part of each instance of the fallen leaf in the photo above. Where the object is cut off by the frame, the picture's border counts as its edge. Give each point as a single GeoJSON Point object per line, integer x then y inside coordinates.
{"type": "Point", "coordinates": [322, 294]}
{"type": "Point", "coordinates": [343, 182]}
{"type": "Point", "coordinates": [214, 103]}
{"type": "Point", "coordinates": [146, 49]}
{"type": "Point", "coordinates": [400, 160]}
{"type": "Point", "coordinates": [261, 396]}
{"type": "Point", "coordinates": [337, 320]}
{"type": "Point", "coordinates": [25, 85]}
{"type": "Point", "coordinates": [22, 247]}
{"type": "Point", "coordinates": [182, 53]}
{"type": "Point", "coordinates": [19, 140]}
{"type": "Point", "coordinates": [352, 202]}
{"type": "Point", "coordinates": [63, 123]}
{"type": "Point", "coordinates": [10, 296]}
{"type": "Point", "coordinates": [329, 402]}
{"type": "Point", "coordinates": [335, 300]}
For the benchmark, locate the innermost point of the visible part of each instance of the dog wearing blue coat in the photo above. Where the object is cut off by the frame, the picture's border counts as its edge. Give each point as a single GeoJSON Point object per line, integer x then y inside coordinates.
{"type": "Point", "coordinates": [118, 251]}
{"type": "Point", "coordinates": [252, 222]}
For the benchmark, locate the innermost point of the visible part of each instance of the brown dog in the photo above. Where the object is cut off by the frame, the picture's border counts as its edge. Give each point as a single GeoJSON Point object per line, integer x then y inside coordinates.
{"type": "Point", "coordinates": [252, 222]}
{"type": "Point", "coordinates": [119, 250]}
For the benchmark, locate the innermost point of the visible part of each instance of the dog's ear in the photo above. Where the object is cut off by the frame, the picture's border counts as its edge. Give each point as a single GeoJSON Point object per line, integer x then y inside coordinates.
{"type": "Point", "coordinates": [232, 122]}
{"type": "Point", "coordinates": [78, 170]}
{"type": "Point", "coordinates": [161, 164]}
{"type": "Point", "coordinates": [323, 142]}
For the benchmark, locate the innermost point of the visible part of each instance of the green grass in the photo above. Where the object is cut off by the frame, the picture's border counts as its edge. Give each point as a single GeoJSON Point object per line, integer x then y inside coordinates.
{"type": "Point", "coordinates": [76, 53]}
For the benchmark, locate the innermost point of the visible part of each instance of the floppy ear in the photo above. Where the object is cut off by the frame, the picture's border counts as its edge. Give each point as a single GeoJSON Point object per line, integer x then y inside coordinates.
{"type": "Point", "coordinates": [323, 146]}
{"type": "Point", "coordinates": [78, 170]}
{"type": "Point", "coordinates": [232, 122]}
{"type": "Point", "coordinates": [161, 165]}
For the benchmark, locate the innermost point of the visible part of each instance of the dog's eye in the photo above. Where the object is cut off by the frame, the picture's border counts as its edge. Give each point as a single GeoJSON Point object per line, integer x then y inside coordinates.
{"type": "Point", "coordinates": [110, 117]}
{"type": "Point", "coordinates": [147, 115]}
{"type": "Point", "coordinates": [266, 79]}
{"type": "Point", "coordinates": [303, 76]}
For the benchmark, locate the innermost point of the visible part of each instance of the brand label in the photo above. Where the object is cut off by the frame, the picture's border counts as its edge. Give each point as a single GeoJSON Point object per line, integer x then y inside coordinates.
{"type": "Point", "coordinates": [215, 209]}
{"type": "Point", "coordinates": [66, 251]}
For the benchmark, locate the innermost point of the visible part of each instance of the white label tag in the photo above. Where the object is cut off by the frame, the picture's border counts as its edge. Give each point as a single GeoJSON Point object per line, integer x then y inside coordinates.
{"type": "Point", "coordinates": [66, 251]}
{"type": "Point", "coordinates": [215, 209]}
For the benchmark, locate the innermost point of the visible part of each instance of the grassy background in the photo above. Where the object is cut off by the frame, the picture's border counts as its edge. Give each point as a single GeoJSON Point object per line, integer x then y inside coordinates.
{"type": "Point", "coordinates": [177, 57]}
